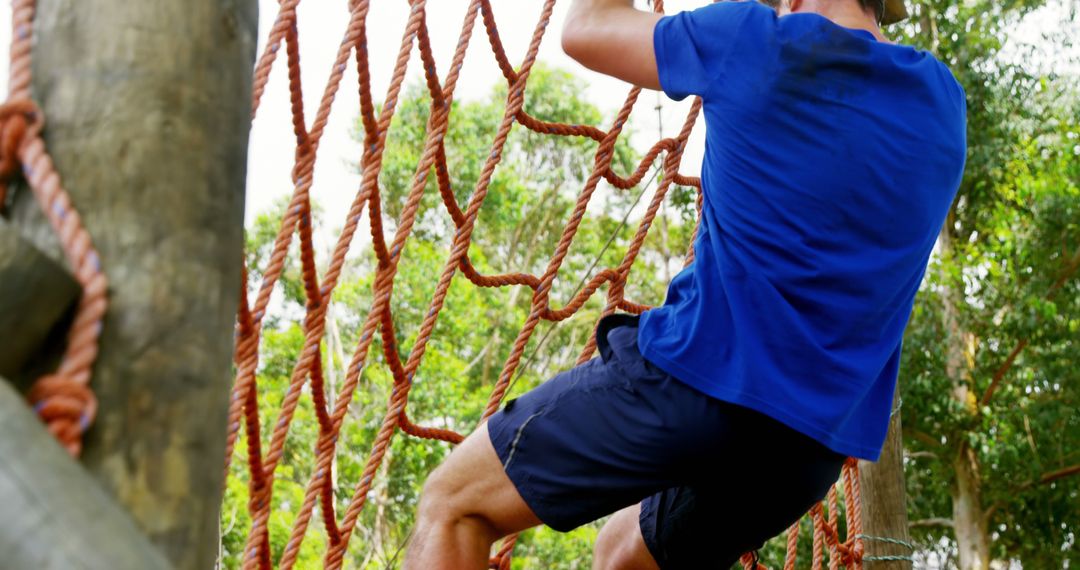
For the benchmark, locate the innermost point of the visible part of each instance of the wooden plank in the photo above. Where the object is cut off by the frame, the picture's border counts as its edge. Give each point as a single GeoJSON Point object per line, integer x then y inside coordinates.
{"type": "Point", "coordinates": [56, 516]}
{"type": "Point", "coordinates": [35, 292]}
{"type": "Point", "coordinates": [147, 111]}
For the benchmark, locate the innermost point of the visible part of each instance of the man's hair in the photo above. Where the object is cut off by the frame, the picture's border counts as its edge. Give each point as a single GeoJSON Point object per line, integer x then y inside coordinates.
{"type": "Point", "coordinates": [878, 6]}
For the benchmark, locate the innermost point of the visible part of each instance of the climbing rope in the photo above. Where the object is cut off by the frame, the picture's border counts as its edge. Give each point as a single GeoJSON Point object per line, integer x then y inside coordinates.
{"type": "Point", "coordinates": [63, 398]}
{"type": "Point", "coordinates": [262, 464]}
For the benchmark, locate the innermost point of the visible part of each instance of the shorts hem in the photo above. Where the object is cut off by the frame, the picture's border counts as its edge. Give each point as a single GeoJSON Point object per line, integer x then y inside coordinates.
{"type": "Point", "coordinates": [648, 533]}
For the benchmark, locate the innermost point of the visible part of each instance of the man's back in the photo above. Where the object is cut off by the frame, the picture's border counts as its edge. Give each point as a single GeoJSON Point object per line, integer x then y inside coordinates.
{"type": "Point", "coordinates": [830, 162]}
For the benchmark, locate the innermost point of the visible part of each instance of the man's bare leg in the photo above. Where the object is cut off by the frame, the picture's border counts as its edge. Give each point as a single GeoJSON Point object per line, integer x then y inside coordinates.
{"type": "Point", "coordinates": [468, 503]}
{"type": "Point", "coordinates": [620, 545]}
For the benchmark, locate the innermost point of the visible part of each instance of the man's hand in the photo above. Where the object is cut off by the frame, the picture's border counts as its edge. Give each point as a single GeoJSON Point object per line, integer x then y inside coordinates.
{"type": "Point", "coordinates": [613, 38]}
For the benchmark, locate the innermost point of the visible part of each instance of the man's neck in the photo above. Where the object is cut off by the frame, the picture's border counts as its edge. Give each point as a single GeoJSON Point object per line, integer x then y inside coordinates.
{"type": "Point", "coordinates": [846, 14]}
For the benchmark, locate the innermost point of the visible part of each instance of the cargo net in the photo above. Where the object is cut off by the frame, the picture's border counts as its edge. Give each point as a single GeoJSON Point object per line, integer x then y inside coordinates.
{"type": "Point", "coordinates": [331, 406]}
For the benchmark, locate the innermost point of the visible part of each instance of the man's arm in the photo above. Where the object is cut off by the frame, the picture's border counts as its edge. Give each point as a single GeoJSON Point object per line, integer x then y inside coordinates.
{"type": "Point", "coordinates": [613, 38]}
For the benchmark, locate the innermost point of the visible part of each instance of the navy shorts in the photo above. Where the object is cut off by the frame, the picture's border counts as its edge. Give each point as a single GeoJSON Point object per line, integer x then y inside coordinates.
{"type": "Point", "coordinates": [714, 479]}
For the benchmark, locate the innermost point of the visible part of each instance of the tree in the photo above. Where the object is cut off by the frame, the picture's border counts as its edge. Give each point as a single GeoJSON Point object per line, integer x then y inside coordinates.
{"type": "Point", "coordinates": [989, 372]}
{"type": "Point", "coordinates": [146, 107]}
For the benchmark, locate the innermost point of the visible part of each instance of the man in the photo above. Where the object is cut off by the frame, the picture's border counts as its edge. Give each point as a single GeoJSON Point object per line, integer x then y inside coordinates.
{"type": "Point", "coordinates": [712, 423]}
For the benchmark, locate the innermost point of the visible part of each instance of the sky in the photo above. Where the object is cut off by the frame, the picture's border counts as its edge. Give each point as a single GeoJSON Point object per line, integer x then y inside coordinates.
{"type": "Point", "coordinates": [322, 25]}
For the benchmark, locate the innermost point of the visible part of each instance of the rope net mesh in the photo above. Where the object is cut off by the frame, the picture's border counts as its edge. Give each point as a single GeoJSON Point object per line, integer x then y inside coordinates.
{"type": "Point", "coordinates": [331, 409]}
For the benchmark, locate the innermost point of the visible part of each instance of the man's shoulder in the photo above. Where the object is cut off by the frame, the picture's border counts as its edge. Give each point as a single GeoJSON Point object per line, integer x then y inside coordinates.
{"type": "Point", "coordinates": [941, 80]}
{"type": "Point", "coordinates": [951, 81]}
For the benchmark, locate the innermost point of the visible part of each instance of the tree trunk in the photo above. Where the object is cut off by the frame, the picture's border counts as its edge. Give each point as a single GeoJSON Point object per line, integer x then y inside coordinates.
{"type": "Point", "coordinates": [884, 502]}
{"type": "Point", "coordinates": [972, 535]}
{"type": "Point", "coordinates": [972, 538]}
{"type": "Point", "coordinates": [147, 108]}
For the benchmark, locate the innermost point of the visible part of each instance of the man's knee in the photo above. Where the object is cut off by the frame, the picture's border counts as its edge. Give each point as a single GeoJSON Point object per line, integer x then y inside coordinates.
{"type": "Point", "coordinates": [610, 550]}
{"type": "Point", "coordinates": [438, 499]}
{"type": "Point", "coordinates": [444, 505]}
{"type": "Point", "coordinates": [471, 488]}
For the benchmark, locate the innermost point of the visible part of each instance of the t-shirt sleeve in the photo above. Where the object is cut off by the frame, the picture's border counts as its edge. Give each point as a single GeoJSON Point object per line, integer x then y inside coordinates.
{"type": "Point", "coordinates": [692, 48]}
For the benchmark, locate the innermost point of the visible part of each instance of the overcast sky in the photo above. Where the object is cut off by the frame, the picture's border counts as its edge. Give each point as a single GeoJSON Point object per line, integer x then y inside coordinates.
{"type": "Point", "coordinates": [321, 25]}
{"type": "Point", "coordinates": [321, 28]}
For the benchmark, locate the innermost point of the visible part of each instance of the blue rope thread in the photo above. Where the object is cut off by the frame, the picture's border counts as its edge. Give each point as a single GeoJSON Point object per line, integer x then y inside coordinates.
{"type": "Point", "coordinates": [888, 559]}
{"type": "Point", "coordinates": [888, 540]}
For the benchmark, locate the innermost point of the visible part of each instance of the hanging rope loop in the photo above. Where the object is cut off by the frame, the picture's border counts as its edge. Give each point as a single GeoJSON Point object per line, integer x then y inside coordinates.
{"type": "Point", "coordinates": [17, 118]}
{"type": "Point", "coordinates": [20, 120]}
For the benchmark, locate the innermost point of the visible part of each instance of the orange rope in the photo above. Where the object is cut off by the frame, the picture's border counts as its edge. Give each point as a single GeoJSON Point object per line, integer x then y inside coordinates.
{"type": "Point", "coordinates": [62, 399]}
{"type": "Point", "coordinates": [262, 464]}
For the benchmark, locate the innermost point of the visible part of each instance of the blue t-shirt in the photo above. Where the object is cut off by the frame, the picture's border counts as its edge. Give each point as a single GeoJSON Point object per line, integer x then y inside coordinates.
{"type": "Point", "coordinates": [830, 163]}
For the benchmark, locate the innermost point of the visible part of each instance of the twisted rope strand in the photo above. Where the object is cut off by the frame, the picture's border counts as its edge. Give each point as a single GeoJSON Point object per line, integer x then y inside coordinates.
{"type": "Point", "coordinates": [63, 399]}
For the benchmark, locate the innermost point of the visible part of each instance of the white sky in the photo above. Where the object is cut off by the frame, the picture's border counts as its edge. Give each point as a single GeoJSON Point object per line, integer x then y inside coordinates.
{"type": "Point", "coordinates": [321, 25]}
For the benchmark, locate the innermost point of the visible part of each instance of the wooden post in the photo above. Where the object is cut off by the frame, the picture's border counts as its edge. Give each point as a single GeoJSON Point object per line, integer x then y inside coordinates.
{"type": "Point", "coordinates": [55, 514]}
{"type": "Point", "coordinates": [147, 110]}
{"type": "Point", "coordinates": [884, 503]}
{"type": "Point", "coordinates": [35, 292]}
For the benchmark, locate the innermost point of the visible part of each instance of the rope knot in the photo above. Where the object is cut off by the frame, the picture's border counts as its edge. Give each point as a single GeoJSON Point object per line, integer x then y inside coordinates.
{"type": "Point", "coordinates": [20, 120]}
{"type": "Point", "coordinates": [66, 406]}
